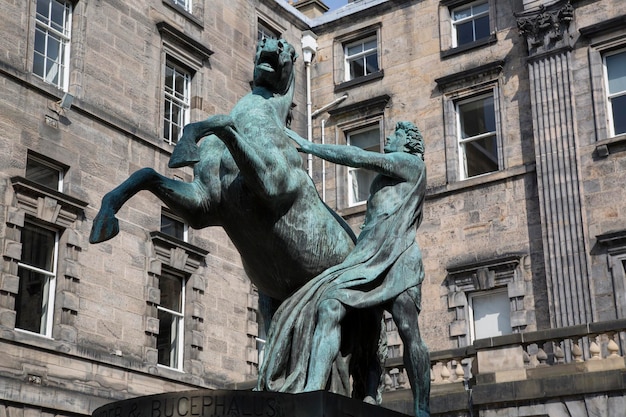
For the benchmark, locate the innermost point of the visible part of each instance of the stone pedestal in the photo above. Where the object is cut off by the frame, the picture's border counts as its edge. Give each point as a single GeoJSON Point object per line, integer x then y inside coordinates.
{"type": "Point", "coordinates": [215, 403]}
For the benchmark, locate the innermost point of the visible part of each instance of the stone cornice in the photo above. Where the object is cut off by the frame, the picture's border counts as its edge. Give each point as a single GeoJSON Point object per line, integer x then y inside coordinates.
{"type": "Point", "coordinates": [177, 253]}
{"type": "Point", "coordinates": [192, 45]}
{"type": "Point", "coordinates": [617, 23]}
{"type": "Point", "coordinates": [47, 204]}
{"type": "Point", "coordinates": [482, 70]}
{"type": "Point", "coordinates": [375, 103]}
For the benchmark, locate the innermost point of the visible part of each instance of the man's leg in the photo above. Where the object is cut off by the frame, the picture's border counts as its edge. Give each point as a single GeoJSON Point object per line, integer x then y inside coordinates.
{"type": "Point", "coordinates": [326, 344]}
{"type": "Point", "coordinates": [405, 311]}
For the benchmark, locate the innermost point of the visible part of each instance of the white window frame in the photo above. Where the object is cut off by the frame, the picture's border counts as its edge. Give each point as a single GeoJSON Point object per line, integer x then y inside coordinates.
{"type": "Point", "coordinates": [178, 325]}
{"type": "Point", "coordinates": [184, 4]}
{"type": "Point", "coordinates": [360, 55]}
{"type": "Point", "coordinates": [58, 66]}
{"type": "Point", "coordinates": [462, 142]}
{"type": "Point", "coordinates": [610, 96]}
{"type": "Point", "coordinates": [50, 165]}
{"type": "Point", "coordinates": [471, 299]}
{"type": "Point", "coordinates": [350, 171]}
{"type": "Point", "coordinates": [472, 17]}
{"type": "Point", "coordinates": [170, 98]}
{"type": "Point", "coordinates": [47, 317]}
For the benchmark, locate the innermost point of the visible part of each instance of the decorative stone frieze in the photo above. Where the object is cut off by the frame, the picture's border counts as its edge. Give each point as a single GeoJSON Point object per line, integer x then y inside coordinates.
{"type": "Point", "coordinates": [545, 25]}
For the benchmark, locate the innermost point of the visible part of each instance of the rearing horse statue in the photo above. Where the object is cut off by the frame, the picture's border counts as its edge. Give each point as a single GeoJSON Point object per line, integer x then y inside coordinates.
{"type": "Point", "coordinates": [248, 178]}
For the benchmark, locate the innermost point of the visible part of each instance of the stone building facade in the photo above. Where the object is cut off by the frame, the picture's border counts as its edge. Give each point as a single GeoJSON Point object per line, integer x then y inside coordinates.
{"type": "Point", "coordinates": [521, 105]}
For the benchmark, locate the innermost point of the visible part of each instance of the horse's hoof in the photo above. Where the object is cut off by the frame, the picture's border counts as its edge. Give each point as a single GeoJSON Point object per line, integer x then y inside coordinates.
{"type": "Point", "coordinates": [185, 153]}
{"type": "Point", "coordinates": [104, 228]}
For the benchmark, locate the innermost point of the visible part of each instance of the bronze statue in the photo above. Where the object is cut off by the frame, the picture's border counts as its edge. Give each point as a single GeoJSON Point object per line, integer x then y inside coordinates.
{"type": "Point", "coordinates": [307, 335]}
{"type": "Point", "coordinates": [248, 178]}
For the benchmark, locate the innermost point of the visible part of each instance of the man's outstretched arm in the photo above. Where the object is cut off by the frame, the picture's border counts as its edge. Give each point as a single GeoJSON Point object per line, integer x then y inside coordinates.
{"type": "Point", "coordinates": [396, 164]}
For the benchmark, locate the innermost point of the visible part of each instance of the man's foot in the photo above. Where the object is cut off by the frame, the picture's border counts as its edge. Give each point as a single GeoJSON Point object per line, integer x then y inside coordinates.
{"type": "Point", "coordinates": [369, 400]}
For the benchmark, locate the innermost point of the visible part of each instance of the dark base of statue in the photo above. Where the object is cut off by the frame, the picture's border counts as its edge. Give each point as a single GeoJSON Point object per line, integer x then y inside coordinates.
{"type": "Point", "coordinates": [214, 403]}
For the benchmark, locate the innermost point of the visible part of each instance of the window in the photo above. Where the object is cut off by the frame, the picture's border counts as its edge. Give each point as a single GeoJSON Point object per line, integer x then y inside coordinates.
{"type": "Point", "coordinates": [361, 58]}
{"type": "Point", "coordinates": [170, 313]}
{"type": "Point", "coordinates": [488, 298]}
{"type": "Point", "coordinates": [34, 303]}
{"type": "Point", "coordinates": [359, 179]}
{"type": "Point", "coordinates": [390, 325]}
{"type": "Point", "coordinates": [265, 32]}
{"type": "Point", "coordinates": [470, 23]}
{"type": "Point", "coordinates": [175, 288]}
{"type": "Point", "coordinates": [44, 173]}
{"type": "Point", "coordinates": [173, 226]}
{"type": "Point", "coordinates": [394, 351]}
{"type": "Point", "coordinates": [614, 244]}
{"type": "Point", "coordinates": [477, 138]}
{"type": "Point", "coordinates": [184, 4]}
{"type": "Point", "coordinates": [490, 314]}
{"type": "Point", "coordinates": [177, 101]}
{"type": "Point", "coordinates": [615, 72]}
{"type": "Point", "coordinates": [52, 41]}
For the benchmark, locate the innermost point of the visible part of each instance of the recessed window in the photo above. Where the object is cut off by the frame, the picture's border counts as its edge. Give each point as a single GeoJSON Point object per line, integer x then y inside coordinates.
{"type": "Point", "coordinates": [394, 351]}
{"type": "Point", "coordinates": [490, 314]}
{"type": "Point", "coordinates": [183, 4]}
{"type": "Point", "coordinates": [615, 72]}
{"type": "Point", "coordinates": [171, 320]}
{"type": "Point", "coordinates": [488, 298]}
{"type": "Point", "coordinates": [265, 32]}
{"type": "Point", "coordinates": [34, 303]}
{"type": "Point", "coordinates": [173, 226]}
{"type": "Point", "coordinates": [44, 173]}
{"type": "Point", "coordinates": [477, 137]}
{"type": "Point", "coordinates": [360, 179]}
{"type": "Point", "coordinates": [470, 23]}
{"type": "Point", "coordinates": [177, 101]}
{"type": "Point", "coordinates": [361, 58]}
{"type": "Point", "coordinates": [52, 41]}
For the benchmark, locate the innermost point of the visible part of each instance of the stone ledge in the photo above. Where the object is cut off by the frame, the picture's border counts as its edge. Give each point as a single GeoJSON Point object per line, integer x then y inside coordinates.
{"type": "Point", "coordinates": [550, 387]}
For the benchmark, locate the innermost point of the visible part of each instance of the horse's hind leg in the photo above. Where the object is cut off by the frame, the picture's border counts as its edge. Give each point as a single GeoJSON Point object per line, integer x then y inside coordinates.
{"type": "Point", "coordinates": [176, 194]}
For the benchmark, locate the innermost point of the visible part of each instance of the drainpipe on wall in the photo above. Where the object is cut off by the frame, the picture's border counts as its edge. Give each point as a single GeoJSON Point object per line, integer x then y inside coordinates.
{"type": "Point", "coordinates": [309, 48]}
{"type": "Point", "coordinates": [315, 114]}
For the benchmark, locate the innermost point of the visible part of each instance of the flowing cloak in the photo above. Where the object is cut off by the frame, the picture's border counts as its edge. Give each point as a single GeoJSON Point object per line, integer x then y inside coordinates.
{"type": "Point", "coordinates": [385, 262]}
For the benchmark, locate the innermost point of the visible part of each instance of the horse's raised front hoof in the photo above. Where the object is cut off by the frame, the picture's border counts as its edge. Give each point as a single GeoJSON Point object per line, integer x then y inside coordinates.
{"type": "Point", "coordinates": [185, 153]}
{"type": "Point", "coordinates": [105, 226]}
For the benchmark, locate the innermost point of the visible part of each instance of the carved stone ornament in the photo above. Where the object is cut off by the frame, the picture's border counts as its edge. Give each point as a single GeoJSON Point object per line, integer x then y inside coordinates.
{"type": "Point", "coordinates": [545, 25]}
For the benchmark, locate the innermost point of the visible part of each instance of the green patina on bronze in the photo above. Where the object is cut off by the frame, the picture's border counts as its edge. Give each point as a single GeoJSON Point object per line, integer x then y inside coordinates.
{"type": "Point", "coordinates": [248, 178]}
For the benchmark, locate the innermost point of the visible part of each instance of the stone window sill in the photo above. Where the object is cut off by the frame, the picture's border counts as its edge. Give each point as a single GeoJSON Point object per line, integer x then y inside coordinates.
{"type": "Point", "coordinates": [360, 80]}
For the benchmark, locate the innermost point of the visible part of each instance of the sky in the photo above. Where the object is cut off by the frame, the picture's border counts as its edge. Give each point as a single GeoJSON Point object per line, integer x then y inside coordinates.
{"type": "Point", "coordinates": [335, 4]}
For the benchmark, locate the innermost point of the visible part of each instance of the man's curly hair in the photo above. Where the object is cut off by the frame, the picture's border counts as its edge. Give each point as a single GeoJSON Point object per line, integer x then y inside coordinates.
{"type": "Point", "coordinates": [415, 141]}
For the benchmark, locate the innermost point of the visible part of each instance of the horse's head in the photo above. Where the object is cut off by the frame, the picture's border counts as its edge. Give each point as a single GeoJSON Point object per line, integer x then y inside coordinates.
{"type": "Point", "coordinates": [273, 65]}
